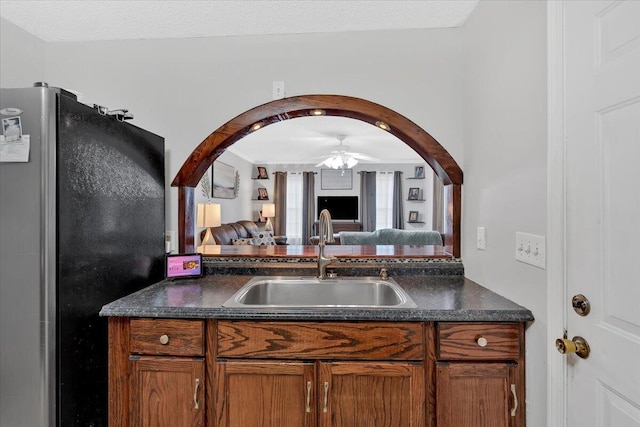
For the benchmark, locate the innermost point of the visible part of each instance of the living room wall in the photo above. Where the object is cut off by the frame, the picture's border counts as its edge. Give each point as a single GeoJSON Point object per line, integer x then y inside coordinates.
{"type": "Point", "coordinates": [237, 208]}
{"type": "Point", "coordinates": [408, 170]}
{"type": "Point", "coordinates": [244, 207]}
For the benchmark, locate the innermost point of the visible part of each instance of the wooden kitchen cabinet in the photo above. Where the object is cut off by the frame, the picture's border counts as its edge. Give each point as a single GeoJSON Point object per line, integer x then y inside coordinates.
{"type": "Point", "coordinates": [157, 373]}
{"type": "Point", "coordinates": [364, 394]}
{"type": "Point", "coordinates": [326, 394]}
{"type": "Point", "coordinates": [167, 391]}
{"type": "Point", "coordinates": [475, 394]}
{"type": "Point", "coordinates": [265, 394]}
{"type": "Point", "coordinates": [347, 374]}
{"type": "Point", "coordinates": [480, 375]}
{"type": "Point", "coordinates": [244, 373]}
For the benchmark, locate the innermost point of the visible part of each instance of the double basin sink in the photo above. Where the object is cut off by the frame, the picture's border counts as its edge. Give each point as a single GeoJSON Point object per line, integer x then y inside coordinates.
{"type": "Point", "coordinates": [310, 292]}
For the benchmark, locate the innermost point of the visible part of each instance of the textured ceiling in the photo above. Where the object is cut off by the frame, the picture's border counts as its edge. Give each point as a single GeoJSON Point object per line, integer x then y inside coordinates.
{"type": "Point", "coordinates": [90, 20]}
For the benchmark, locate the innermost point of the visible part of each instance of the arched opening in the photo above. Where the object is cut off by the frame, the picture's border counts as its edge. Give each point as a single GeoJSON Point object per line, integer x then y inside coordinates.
{"type": "Point", "coordinates": [404, 129]}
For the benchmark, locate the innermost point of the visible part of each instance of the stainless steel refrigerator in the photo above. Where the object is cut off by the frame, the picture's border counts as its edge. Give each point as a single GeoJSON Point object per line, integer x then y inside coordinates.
{"type": "Point", "coordinates": [81, 224]}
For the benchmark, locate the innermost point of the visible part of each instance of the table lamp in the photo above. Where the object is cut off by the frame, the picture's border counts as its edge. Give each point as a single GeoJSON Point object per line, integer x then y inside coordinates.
{"type": "Point", "coordinates": [269, 211]}
{"type": "Point", "coordinates": [208, 215]}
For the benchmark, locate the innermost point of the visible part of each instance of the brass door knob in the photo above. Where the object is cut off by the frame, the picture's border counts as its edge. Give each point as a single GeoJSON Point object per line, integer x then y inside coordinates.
{"type": "Point", "coordinates": [577, 345]}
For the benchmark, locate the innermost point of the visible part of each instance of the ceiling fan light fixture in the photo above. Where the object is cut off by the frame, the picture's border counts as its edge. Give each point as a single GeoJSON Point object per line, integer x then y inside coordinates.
{"type": "Point", "coordinates": [340, 162]}
{"type": "Point", "coordinates": [351, 162]}
{"type": "Point", "coordinates": [342, 158]}
{"type": "Point", "coordinates": [335, 162]}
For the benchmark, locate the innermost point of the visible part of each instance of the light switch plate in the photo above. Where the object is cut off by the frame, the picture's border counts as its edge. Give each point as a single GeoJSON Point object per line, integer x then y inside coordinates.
{"type": "Point", "coordinates": [530, 249]}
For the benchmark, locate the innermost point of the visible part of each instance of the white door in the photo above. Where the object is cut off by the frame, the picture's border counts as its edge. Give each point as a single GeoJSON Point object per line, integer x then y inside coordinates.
{"type": "Point", "coordinates": [602, 99]}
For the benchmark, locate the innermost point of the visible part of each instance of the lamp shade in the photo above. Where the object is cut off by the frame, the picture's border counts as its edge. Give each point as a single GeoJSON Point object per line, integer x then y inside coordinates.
{"type": "Point", "coordinates": [268, 210]}
{"type": "Point", "coordinates": [208, 215]}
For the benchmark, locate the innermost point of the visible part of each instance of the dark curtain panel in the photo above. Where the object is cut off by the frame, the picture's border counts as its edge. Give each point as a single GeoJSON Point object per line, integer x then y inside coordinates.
{"type": "Point", "coordinates": [280, 200]}
{"type": "Point", "coordinates": [397, 216]}
{"type": "Point", "coordinates": [368, 200]}
{"type": "Point", "coordinates": [438, 204]}
{"type": "Point", "coordinates": [308, 205]}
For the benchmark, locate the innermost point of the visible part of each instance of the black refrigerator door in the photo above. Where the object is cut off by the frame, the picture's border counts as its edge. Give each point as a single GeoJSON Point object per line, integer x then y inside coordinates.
{"type": "Point", "coordinates": [110, 217]}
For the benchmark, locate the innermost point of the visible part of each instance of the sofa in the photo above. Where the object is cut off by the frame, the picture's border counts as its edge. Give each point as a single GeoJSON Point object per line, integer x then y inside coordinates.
{"type": "Point", "coordinates": [391, 236]}
{"type": "Point", "coordinates": [242, 233]}
{"type": "Point", "coordinates": [225, 234]}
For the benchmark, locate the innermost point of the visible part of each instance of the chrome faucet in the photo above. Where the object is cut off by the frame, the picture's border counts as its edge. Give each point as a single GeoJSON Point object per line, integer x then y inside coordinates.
{"type": "Point", "coordinates": [325, 234]}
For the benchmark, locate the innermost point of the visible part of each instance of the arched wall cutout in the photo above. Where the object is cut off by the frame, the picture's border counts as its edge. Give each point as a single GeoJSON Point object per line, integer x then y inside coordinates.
{"type": "Point", "coordinates": [404, 129]}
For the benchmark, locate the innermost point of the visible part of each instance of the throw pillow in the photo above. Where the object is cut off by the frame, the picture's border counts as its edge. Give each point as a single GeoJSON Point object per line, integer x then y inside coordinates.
{"type": "Point", "coordinates": [241, 242]}
{"type": "Point", "coordinates": [263, 238]}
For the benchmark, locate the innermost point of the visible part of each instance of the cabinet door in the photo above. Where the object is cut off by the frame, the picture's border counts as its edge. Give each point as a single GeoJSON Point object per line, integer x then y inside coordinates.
{"type": "Point", "coordinates": [265, 394]}
{"type": "Point", "coordinates": [167, 392]}
{"type": "Point", "coordinates": [476, 394]}
{"type": "Point", "coordinates": [365, 394]}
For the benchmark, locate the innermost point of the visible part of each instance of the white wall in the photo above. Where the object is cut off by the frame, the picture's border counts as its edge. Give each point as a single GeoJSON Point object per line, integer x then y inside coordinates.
{"type": "Point", "coordinates": [505, 163]}
{"type": "Point", "coordinates": [22, 57]}
{"type": "Point", "coordinates": [185, 89]}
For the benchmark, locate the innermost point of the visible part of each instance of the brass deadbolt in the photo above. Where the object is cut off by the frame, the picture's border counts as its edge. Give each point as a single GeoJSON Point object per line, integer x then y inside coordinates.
{"type": "Point", "coordinates": [581, 305]}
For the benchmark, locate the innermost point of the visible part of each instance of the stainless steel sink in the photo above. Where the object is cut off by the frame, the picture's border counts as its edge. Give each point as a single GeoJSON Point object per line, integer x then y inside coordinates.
{"type": "Point", "coordinates": [310, 292]}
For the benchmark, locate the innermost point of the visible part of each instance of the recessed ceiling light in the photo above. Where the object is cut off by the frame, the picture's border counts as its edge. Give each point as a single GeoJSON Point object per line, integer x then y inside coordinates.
{"type": "Point", "coordinates": [255, 127]}
{"type": "Point", "coordinates": [382, 125]}
{"type": "Point", "coordinates": [317, 112]}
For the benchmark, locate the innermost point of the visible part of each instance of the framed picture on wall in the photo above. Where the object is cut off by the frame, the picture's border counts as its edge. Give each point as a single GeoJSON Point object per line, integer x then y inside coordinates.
{"type": "Point", "coordinates": [414, 193]}
{"type": "Point", "coordinates": [413, 216]}
{"type": "Point", "coordinates": [262, 173]}
{"type": "Point", "coordinates": [419, 173]}
{"type": "Point", "coordinates": [224, 181]}
{"type": "Point", "coordinates": [262, 194]}
{"type": "Point", "coordinates": [336, 179]}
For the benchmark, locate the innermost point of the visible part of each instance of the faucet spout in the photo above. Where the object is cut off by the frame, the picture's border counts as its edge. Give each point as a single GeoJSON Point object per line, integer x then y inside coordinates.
{"type": "Point", "coordinates": [325, 235]}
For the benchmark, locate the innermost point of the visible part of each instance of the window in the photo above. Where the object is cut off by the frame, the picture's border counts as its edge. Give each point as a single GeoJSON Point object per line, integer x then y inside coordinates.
{"type": "Point", "coordinates": [384, 200]}
{"type": "Point", "coordinates": [294, 208]}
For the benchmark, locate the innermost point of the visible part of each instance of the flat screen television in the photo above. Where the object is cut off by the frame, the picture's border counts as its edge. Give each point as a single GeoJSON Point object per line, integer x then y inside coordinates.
{"type": "Point", "coordinates": [340, 207]}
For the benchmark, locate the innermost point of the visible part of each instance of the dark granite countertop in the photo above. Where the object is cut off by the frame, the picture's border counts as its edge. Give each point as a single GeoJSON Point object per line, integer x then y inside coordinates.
{"type": "Point", "coordinates": [439, 298]}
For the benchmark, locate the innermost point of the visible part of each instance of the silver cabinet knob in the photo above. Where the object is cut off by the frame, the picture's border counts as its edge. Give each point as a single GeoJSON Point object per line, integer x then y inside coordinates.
{"type": "Point", "coordinates": [482, 341]}
{"type": "Point", "coordinates": [164, 339]}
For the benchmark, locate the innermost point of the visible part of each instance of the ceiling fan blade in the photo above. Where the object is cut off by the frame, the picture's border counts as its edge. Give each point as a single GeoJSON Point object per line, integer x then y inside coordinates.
{"type": "Point", "coordinates": [363, 157]}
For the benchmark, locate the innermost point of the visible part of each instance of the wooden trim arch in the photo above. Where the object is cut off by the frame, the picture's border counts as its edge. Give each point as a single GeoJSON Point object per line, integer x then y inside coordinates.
{"type": "Point", "coordinates": [404, 129]}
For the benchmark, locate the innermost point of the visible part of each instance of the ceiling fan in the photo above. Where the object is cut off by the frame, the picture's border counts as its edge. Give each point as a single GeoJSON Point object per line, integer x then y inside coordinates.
{"type": "Point", "coordinates": [342, 158]}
